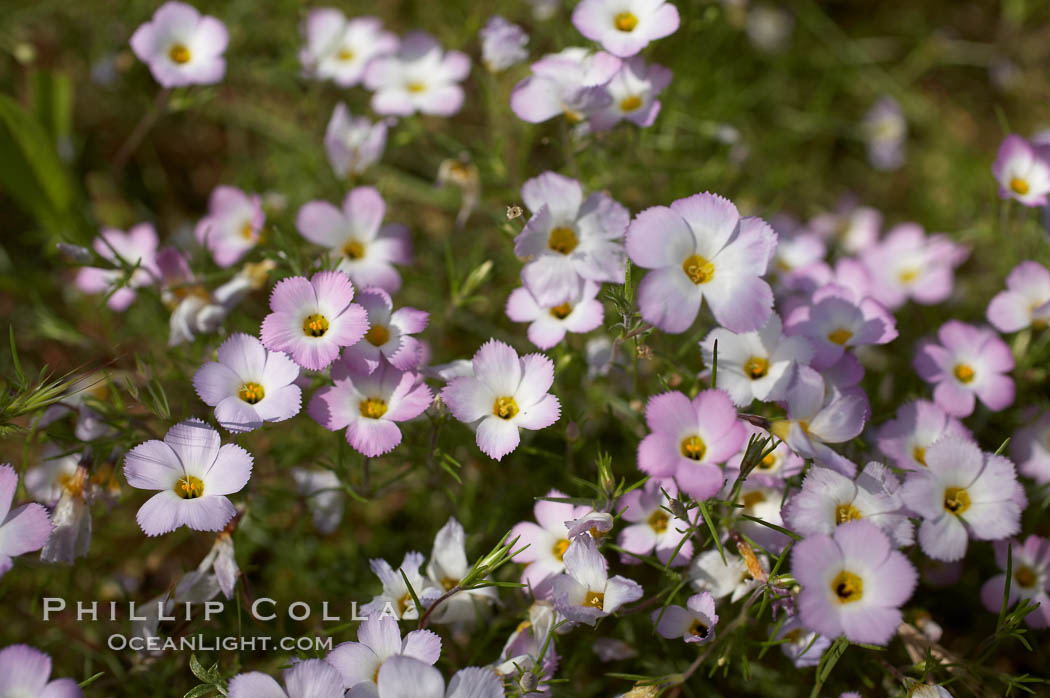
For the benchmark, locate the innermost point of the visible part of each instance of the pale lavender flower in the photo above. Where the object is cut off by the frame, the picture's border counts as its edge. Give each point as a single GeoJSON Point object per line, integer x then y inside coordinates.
{"type": "Point", "coordinates": [1030, 566]}
{"type": "Point", "coordinates": [836, 321]}
{"type": "Point", "coordinates": [339, 49]}
{"type": "Point", "coordinates": [853, 583]}
{"type": "Point", "coordinates": [24, 673]}
{"type": "Point", "coordinates": [312, 319]}
{"type": "Point", "coordinates": [400, 677]}
{"type": "Point", "coordinates": [625, 27]}
{"type": "Point", "coordinates": [22, 530]}
{"type": "Point", "coordinates": [570, 83]}
{"type": "Point", "coordinates": [370, 404]}
{"type": "Point", "coordinates": [653, 527]}
{"type": "Point", "coordinates": [138, 249]}
{"type": "Point", "coordinates": [966, 364]}
{"type": "Point", "coordinates": [389, 334]}
{"type": "Point", "coordinates": [756, 365]}
{"type": "Point", "coordinates": [585, 592]}
{"type": "Point", "coordinates": [597, 523]}
{"type": "Point", "coordinates": [885, 130]}
{"type": "Point", "coordinates": [689, 438]}
{"type": "Point", "coordinates": [325, 497]}
{"type": "Point", "coordinates": [530, 647]}
{"type": "Point", "coordinates": [1023, 171]}
{"type": "Point", "coordinates": [222, 564]}
{"type": "Point", "coordinates": [181, 46]}
{"type": "Point", "coordinates": [249, 385]}
{"type": "Point", "coordinates": [379, 639]}
{"type": "Point", "coordinates": [694, 623]}
{"type": "Point", "coordinates": [829, 499]}
{"type": "Point", "coordinates": [233, 225]}
{"type": "Point", "coordinates": [1026, 300]}
{"type": "Point", "coordinates": [546, 541]}
{"type": "Point", "coordinates": [731, 578]}
{"type": "Point", "coordinates": [1030, 448]}
{"type": "Point", "coordinates": [909, 265]}
{"type": "Point", "coordinates": [917, 426]}
{"type": "Point", "coordinates": [310, 678]}
{"type": "Point", "coordinates": [419, 77]}
{"type": "Point", "coordinates": [193, 472]}
{"type": "Point", "coordinates": [353, 143]}
{"type": "Point", "coordinates": [505, 393]}
{"type": "Point", "coordinates": [803, 647]}
{"type": "Point", "coordinates": [548, 322]}
{"type": "Point", "coordinates": [367, 250]}
{"type": "Point", "coordinates": [633, 89]}
{"type": "Point", "coordinates": [700, 248]}
{"type": "Point", "coordinates": [569, 238]}
{"type": "Point", "coordinates": [395, 599]}
{"type": "Point", "coordinates": [502, 44]}
{"type": "Point", "coordinates": [447, 567]}
{"type": "Point", "coordinates": [963, 493]}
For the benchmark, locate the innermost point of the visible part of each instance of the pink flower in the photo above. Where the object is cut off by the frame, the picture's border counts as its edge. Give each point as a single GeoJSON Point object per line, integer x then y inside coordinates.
{"type": "Point", "coordinates": [836, 321]}
{"type": "Point", "coordinates": [585, 592]}
{"type": "Point", "coordinates": [1030, 565]}
{"type": "Point", "coordinates": [917, 426]}
{"type": "Point", "coordinates": [569, 239]}
{"type": "Point", "coordinates": [312, 319]}
{"type": "Point", "coordinates": [963, 493]}
{"type": "Point", "coordinates": [249, 385]}
{"type": "Point", "coordinates": [366, 249]}
{"type": "Point", "coordinates": [136, 248]}
{"type": "Point", "coordinates": [504, 394]}
{"type": "Point", "coordinates": [545, 542]}
{"type": "Point", "coordinates": [368, 404]}
{"type": "Point", "coordinates": [419, 77]}
{"type": "Point", "coordinates": [969, 363]}
{"type": "Point", "coordinates": [701, 248]}
{"type": "Point", "coordinates": [1030, 448]}
{"type": "Point", "coordinates": [689, 439]}
{"type": "Point", "coordinates": [340, 50]}
{"type": "Point", "coordinates": [502, 44]}
{"type": "Point", "coordinates": [625, 27]}
{"type": "Point", "coordinates": [193, 473]}
{"type": "Point", "coordinates": [907, 264]}
{"type": "Point", "coordinates": [353, 144]}
{"type": "Point", "coordinates": [580, 313]}
{"type": "Point", "coordinates": [233, 224]}
{"type": "Point", "coordinates": [1023, 171]}
{"type": "Point", "coordinates": [310, 678]}
{"type": "Point", "coordinates": [694, 624]}
{"type": "Point", "coordinates": [22, 530]}
{"type": "Point", "coordinates": [652, 525]}
{"type": "Point", "coordinates": [1026, 300]}
{"type": "Point", "coordinates": [633, 89]}
{"type": "Point", "coordinates": [389, 334]}
{"type": "Point", "coordinates": [570, 83]}
{"type": "Point", "coordinates": [25, 670]}
{"type": "Point", "coordinates": [853, 583]}
{"type": "Point", "coordinates": [181, 46]}
{"type": "Point", "coordinates": [379, 639]}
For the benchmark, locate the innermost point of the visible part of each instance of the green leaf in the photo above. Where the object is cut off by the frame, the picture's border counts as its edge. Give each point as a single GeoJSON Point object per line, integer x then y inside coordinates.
{"type": "Point", "coordinates": [30, 169]}
{"type": "Point", "coordinates": [198, 691]}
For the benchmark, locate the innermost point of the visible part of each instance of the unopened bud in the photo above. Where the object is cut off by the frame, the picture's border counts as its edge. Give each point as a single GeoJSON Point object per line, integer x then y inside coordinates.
{"type": "Point", "coordinates": [513, 212]}
{"type": "Point", "coordinates": [678, 509]}
{"type": "Point", "coordinates": [529, 682]}
{"type": "Point", "coordinates": [74, 253]}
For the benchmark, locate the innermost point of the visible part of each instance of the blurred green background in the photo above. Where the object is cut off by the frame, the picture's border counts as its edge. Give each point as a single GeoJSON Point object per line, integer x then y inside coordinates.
{"type": "Point", "coordinates": [963, 72]}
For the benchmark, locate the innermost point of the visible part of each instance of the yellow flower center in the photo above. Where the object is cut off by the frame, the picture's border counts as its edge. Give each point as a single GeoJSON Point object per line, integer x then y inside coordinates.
{"type": "Point", "coordinates": [559, 548]}
{"type": "Point", "coordinates": [964, 373]}
{"type": "Point", "coordinates": [416, 87]}
{"type": "Point", "coordinates": [315, 325]}
{"type": "Point", "coordinates": [345, 54]}
{"type": "Point", "coordinates": [756, 367]}
{"type": "Point", "coordinates": [247, 230]}
{"type": "Point", "coordinates": [189, 487]}
{"type": "Point", "coordinates": [404, 603]}
{"type": "Point", "coordinates": [630, 103]}
{"type": "Point", "coordinates": [448, 582]}
{"type": "Point", "coordinates": [694, 448]}
{"type": "Point", "coordinates": [956, 500]}
{"type": "Point", "coordinates": [353, 250]}
{"type": "Point", "coordinates": [698, 269]}
{"type": "Point", "coordinates": [594, 599]}
{"type": "Point", "coordinates": [373, 408]}
{"type": "Point", "coordinates": [768, 462]}
{"type": "Point", "coordinates": [698, 629]}
{"type": "Point", "coordinates": [845, 513]}
{"type": "Point", "coordinates": [1025, 577]}
{"type": "Point", "coordinates": [179, 54]}
{"type": "Point", "coordinates": [572, 116]}
{"type": "Point", "coordinates": [780, 429]}
{"type": "Point", "coordinates": [505, 407]}
{"type": "Point", "coordinates": [840, 336]}
{"type": "Point", "coordinates": [1019, 186]}
{"type": "Point", "coordinates": [561, 311]}
{"type": "Point", "coordinates": [377, 335]}
{"type": "Point", "coordinates": [562, 240]}
{"type": "Point", "coordinates": [251, 393]}
{"type": "Point", "coordinates": [752, 498]}
{"type": "Point", "coordinates": [919, 454]}
{"type": "Point", "coordinates": [625, 21]}
{"type": "Point", "coordinates": [907, 275]}
{"type": "Point", "coordinates": [659, 520]}
{"type": "Point", "coordinates": [848, 587]}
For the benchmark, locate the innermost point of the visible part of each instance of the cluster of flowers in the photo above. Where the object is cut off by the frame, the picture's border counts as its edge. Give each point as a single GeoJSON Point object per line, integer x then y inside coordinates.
{"type": "Point", "coordinates": [798, 309]}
